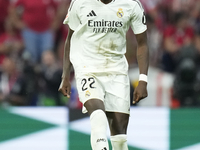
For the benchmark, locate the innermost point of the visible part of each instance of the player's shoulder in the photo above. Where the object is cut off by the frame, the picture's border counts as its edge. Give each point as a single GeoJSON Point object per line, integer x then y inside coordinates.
{"type": "Point", "coordinates": [77, 3]}
{"type": "Point", "coordinates": [81, 1]}
{"type": "Point", "coordinates": [131, 2]}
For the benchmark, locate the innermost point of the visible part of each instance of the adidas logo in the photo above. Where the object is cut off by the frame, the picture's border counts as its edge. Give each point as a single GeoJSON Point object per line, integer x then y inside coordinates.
{"type": "Point", "coordinates": [92, 13]}
{"type": "Point", "coordinates": [104, 148]}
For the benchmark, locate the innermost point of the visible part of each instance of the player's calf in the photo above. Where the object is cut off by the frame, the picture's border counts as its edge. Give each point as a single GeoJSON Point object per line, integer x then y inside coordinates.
{"type": "Point", "coordinates": [98, 130]}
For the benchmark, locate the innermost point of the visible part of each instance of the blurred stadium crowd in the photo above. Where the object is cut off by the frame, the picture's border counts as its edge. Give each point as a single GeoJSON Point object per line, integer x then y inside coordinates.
{"type": "Point", "coordinates": [32, 39]}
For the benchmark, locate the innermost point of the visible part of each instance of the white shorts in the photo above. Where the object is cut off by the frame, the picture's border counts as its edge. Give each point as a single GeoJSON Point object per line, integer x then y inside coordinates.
{"type": "Point", "coordinates": [112, 89]}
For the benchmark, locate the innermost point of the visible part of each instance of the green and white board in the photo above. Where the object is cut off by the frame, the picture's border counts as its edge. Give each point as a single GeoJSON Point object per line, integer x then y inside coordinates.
{"type": "Point", "coordinates": [33, 128]}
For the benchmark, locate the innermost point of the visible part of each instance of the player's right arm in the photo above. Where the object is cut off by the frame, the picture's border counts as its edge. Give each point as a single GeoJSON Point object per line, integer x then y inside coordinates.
{"type": "Point", "coordinates": [73, 22]}
{"type": "Point", "coordinates": [65, 86]}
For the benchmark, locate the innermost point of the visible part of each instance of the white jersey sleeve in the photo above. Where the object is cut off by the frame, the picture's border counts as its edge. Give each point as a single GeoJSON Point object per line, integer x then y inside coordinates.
{"type": "Point", "coordinates": [138, 21]}
{"type": "Point", "coordinates": [72, 18]}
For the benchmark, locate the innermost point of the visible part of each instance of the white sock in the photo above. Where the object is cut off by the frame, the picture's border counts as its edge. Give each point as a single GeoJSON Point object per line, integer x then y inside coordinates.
{"type": "Point", "coordinates": [98, 122]}
{"type": "Point", "coordinates": [119, 142]}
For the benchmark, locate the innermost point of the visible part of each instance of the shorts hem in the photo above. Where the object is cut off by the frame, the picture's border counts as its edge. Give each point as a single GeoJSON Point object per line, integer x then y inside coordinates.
{"type": "Point", "coordinates": [118, 111]}
{"type": "Point", "coordinates": [84, 110]}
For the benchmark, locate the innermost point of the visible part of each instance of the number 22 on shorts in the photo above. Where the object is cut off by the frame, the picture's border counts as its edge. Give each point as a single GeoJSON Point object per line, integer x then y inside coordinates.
{"type": "Point", "coordinates": [87, 83]}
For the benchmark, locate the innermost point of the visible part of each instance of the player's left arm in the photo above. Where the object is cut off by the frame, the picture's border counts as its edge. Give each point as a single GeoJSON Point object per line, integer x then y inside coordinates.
{"type": "Point", "coordinates": [140, 91]}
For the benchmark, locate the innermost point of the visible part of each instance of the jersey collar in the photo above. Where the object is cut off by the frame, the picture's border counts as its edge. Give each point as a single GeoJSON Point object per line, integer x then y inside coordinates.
{"type": "Point", "coordinates": [104, 3]}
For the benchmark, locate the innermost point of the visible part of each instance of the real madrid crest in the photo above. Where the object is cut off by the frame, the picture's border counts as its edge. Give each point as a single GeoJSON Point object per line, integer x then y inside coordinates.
{"type": "Point", "coordinates": [87, 94]}
{"type": "Point", "coordinates": [120, 13]}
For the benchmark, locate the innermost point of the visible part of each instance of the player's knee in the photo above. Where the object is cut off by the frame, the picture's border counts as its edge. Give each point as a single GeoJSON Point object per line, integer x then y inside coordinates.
{"type": "Point", "coordinates": [119, 142]}
{"type": "Point", "coordinates": [93, 105]}
{"type": "Point", "coordinates": [118, 123]}
{"type": "Point", "coordinates": [118, 129]}
{"type": "Point", "coordinates": [98, 120]}
{"type": "Point", "coordinates": [120, 138]}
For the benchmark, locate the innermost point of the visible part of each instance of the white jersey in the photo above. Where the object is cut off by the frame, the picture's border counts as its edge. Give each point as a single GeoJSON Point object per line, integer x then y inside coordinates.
{"type": "Point", "coordinates": [98, 43]}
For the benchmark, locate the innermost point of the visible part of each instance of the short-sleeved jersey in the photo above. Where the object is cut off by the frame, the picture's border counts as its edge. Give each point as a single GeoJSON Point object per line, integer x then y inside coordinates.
{"type": "Point", "coordinates": [98, 43]}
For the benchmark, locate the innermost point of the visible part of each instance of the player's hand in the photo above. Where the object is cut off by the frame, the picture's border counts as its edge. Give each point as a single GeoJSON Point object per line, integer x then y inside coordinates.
{"type": "Point", "coordinates": [140, 92]}
{"type": "Point", "coordinates": [65, 87]}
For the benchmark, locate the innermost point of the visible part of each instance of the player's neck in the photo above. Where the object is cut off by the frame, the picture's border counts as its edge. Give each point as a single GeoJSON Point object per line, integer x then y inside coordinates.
{"type": "Point", "coordinates": [106, 1]}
